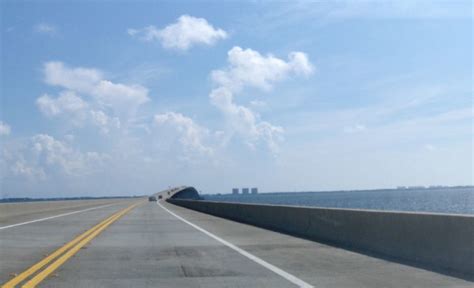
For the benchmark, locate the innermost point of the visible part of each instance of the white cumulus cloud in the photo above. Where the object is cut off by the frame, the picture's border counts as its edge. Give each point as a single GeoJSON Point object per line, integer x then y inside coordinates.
{"type": "Point", "coordinates": [248, 68]}
{"type": "Point", "coordinates": [4, 129]}
{"type": "Point", "coordinates": [72, 107]}
{"type": "Point", "coordinates": [21, 168]}
{"type": "Point", "coordinates": [121, 97]}
{"type": "Point", "coordinates": [186, 32]}
{"type": "Point", "coordinates": [56, 154]}
{"type": "Point", "coordinates": [80, 79]}
{"type": "Point", "coordinates": [120, 100]}
{"type": "Point", "coordinates": [67, 102]}
{"type": "Point", "coordinates": [104, 121]}
{"type": "Point", "coordinates": [191, 135]}
{"type": "Point", "coordinates": [42, 156]}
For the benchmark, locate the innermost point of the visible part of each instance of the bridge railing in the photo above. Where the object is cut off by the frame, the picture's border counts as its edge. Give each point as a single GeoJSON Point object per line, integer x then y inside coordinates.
{"type": "Point", "coordinates": [440, 242]}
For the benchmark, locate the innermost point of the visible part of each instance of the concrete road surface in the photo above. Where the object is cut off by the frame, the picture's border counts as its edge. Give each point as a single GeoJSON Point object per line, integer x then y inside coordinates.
{"type": "Point", "coordinates": [162, 245]}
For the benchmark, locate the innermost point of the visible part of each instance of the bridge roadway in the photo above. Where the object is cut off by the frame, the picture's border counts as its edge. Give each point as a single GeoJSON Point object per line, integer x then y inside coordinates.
{"type": "Point", "coordinates": [162, 245]}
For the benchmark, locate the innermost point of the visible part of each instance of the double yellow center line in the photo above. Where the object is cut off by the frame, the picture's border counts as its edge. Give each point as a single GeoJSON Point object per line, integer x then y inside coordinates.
{"type": "Point", "coordinates": [61, 255]}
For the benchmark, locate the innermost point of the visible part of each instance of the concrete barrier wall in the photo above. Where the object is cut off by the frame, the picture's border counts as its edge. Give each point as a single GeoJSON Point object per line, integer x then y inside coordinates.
{"type": "Point", "coordinates": [436, 241]}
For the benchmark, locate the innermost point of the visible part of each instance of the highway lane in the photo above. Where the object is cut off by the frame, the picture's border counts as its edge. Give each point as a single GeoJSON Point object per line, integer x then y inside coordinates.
{"type": "Point", "coordinates": [22, 246]}
{"type": "Point", "coordinates": [150, 247]}
{"type": "Point", "coordinates": [20, 212]}
{"type": "Point", "coordinates": [288, 276]}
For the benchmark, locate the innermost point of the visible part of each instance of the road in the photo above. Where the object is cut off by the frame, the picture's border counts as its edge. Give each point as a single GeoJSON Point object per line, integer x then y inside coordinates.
{"type": "Point", "coordinates": [162, 245]}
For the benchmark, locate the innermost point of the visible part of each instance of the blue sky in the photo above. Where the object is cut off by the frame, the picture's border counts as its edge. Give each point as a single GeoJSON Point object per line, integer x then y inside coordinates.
{"type": "Point", "coordinates": [103, 98]}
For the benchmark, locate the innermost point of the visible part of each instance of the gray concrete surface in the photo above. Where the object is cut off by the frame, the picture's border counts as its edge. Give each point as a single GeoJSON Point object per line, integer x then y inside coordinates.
{"type": "Point", "coordinates": [23, 246]}
{"type": "Point", "coordinates": [12, 213]}
{"type": "Point", "coordinates": [151, 248]}
{"type": "Point", "coordinates": [436, 241]}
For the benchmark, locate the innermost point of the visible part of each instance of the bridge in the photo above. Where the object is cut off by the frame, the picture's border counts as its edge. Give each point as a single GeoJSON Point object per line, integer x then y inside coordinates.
{"type": "Point", "coordinates": [179, 241]}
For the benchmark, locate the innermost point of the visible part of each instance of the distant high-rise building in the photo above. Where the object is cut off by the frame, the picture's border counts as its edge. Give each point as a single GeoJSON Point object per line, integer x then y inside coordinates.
{"type": "Point", "coordinates": [245, 191]}
{"type": "Point", "coordinates": [254, 190]}
{"type": "Point", "coordinates": [235, 191]}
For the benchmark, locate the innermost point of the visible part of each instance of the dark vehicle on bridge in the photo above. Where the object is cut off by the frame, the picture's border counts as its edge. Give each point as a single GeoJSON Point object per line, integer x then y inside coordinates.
{"type": "Point", "coordinates": [160, 197]}
{"type": "Point", "coordinates": [152, 198]}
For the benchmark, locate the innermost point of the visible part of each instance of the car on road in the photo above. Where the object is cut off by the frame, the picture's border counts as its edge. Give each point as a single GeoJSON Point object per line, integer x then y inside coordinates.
{"type": "Point", "coordinates": [152, 198]}
{"type": "Point", "coordinates": [160, 197]}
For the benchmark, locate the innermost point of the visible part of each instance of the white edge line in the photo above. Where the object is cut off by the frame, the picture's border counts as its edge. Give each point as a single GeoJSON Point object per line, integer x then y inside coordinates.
{"type": "Point", "coordinates": [55, 216]}
{"type": "Point", "coordinates": [295, 280]}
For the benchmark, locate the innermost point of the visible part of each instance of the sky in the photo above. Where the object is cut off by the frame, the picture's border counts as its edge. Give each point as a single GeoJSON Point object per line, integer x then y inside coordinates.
{"type": "Point", "coordinates": [102, 98]}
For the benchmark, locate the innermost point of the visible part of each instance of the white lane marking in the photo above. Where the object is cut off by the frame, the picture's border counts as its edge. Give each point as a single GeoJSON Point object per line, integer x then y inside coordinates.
{"type": "Point", "coordinates": [252, 257]}
{"type": "Point", "coordinates": [55, 216]}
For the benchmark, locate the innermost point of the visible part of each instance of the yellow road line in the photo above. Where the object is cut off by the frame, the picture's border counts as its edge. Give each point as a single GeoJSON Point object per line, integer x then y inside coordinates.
{"type": "Point", "coordinates": [33, 269]}
{"type": "Point", "coordinates": [25, 274]}
{"type": "Point", "coordinates": [57, 263]}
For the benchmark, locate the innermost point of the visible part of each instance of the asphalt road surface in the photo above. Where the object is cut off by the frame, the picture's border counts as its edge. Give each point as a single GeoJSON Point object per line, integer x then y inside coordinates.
{"type": "Point", "coordinates": [135, 243]}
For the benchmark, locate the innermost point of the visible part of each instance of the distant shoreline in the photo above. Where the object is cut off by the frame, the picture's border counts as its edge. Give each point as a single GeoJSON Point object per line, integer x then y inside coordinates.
{"type": "Point", "coordinates": [28, 199]}
{"type": "Point", "coordinates": [400, 188]}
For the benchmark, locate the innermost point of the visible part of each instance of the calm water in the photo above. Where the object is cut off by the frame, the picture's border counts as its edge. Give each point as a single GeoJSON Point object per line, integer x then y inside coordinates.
{"type": "Point", "coordinates": [442, 200]}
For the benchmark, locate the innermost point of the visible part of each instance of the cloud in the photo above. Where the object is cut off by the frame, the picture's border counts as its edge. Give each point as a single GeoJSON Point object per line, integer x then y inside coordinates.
{"type": "Point", "coordinates": [4, 129]}
{"type": "Point", "coordinates": [120, 96]}
{"type": "Point", "coordinates": [80, 79]}
{"type": "Point", "coordinates": [191, 135]}
{"type": "Point", "coordinates": [16, 160]}
{"type": "Point", "coordinates": [67, 102]}
{"type": "Point", "coordinates": [76, 110]}
{"type": "Point", "coordinates": [21, 168]}
{"type": "Point", "coordinates": [45, 28]}
{"type": "Point", "coordinates": [104, 121]}
{"type": "Point", "coordinates": [123, 99]}
{"type": "Point", "coordinates": [90, 81]}
{"type": "Point", "coordinates": [42, 156]}
{"type": "Point", "coordinates": [248, 68]}
{"type": "Point", "coordinates": [186, 32]}
{"type": "Point", "coordinates": [244, 121]}
{"type": "Point", "coordinates": [56, 154]}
